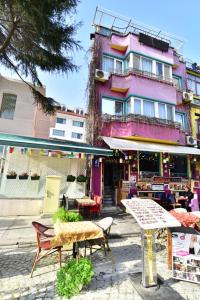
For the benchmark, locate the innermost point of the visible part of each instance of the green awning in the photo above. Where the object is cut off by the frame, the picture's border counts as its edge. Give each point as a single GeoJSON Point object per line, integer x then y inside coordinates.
{"type": "Point", "coordinates": [37, 143]}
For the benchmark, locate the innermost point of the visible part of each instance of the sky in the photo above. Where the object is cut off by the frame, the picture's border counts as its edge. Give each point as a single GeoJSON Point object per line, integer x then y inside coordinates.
{"type": "Point", "coordinates": [179, 17]}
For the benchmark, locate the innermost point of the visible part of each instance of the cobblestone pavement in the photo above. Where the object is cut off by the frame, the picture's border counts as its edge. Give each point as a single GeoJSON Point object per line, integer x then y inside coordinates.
{"type": "Point", "coordinates": [112, 273]}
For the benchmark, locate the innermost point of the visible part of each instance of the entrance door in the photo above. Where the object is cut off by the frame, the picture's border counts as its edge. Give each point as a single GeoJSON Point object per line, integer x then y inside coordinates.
{"type": "Point", "coordinates": [52, 193]}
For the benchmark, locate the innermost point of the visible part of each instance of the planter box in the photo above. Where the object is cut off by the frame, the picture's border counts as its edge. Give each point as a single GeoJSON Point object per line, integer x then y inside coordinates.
{"type": "Point", "coordinates": [35, 177]}
{"type": "Point", "coordinates": [11, 176]}
{"type": "Point", "coordinates": [23, 177]}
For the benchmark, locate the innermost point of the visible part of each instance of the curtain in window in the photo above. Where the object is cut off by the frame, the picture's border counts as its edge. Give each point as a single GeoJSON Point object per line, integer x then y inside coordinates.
{"type": "Point", "coordinates": [146, 65]}
{"type": "Point", "coordinates": [137, 106]}
{"type": "Point", "coordinates": [118, 67]}
{"type": "Point", "coordinates": [136, 61]}
{"type": "Point", "coordinates": [118, 108]}
{"type": "Point", "coordinates": [176, 82]}
{"type": "Point", "coordinates": [161, 111]}
{"type": "Point", "coordinates": [108, 64]}
{"type": "Point", "coordinates": [148, 108]}
{"type": "Point", "coordinates": [169, 113]}
{"type": "Point", "coordinates": [128, 107]}
{"type": "Point", "coordinates": [159, 69]}
{"type": "Point", "coordinates": [179, 119]}
{"type": "Point", "coordinates": [167, 72]}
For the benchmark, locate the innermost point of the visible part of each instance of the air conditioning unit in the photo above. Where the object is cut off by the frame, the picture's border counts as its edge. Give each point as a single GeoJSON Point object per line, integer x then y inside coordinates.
{"type": "Point", "coordinates": [101, 75]}
{"type": "Point", "coordinates": [191, 141]}
{"type": "Point", "coordinates": [187, 96]}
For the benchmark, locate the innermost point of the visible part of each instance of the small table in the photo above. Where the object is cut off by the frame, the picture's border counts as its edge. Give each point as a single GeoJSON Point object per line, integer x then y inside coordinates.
{"type": "Point", "coordinates": [85, 204]}
{"type": "Point", "coordinates": [73, 232]}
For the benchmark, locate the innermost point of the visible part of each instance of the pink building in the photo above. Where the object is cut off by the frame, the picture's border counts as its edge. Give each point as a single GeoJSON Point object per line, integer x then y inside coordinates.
{"type": "Point", "coordinates": [138, 87]}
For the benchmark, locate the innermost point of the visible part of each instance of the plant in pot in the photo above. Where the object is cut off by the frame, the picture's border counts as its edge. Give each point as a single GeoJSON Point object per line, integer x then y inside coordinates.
{"type": "Point", "coordinates": [75, 275]}
{"type": "Point", "coordinates": [35, 176]}
{"type": "Point", "coordinates": [23, 176]}
{"type": "Point", "coordinates": [71, 178]}
{"type": "Point", "coordinates": [11, 175]}
{"type": "Point", "coordinates": [81, 178]}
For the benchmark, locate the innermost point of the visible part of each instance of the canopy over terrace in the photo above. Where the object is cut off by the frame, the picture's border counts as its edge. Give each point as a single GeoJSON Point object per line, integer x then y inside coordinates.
{"type": "Point", "coordinates": [122, 144]}
{"type": "Point", "coordinates": [36, 143]}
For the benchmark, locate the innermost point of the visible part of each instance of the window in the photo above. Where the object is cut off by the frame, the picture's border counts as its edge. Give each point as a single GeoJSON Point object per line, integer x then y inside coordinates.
{"type": "Point", "coordinates": [118, 108]}
{"type": "Point", "coordinates": [159, 69]}
{"type": "Point", "coordinates": [167, 72]}
{"type": "Point", "coordinates": [128, 107]}
{"type": "Point", "coordinates": [180, 118]}
{"type": "Point", "coordinates": [108, 64]}
{"type": "Point", "coordinates": [78, 123]}
{"type": "Point", "coordinates": [76, 135]}
{"type": "Point", "coordinates": [146, 65]}
{"type": "Point", "coordinates": [177, 83]}
{"type": "Point", "coordinates": [170, 113]}
{"type": "Point", "coordinates": [112, 107]}
{"type": "Point", "coordinates": [161, 111]}
{"type": "Point", "coordinates": [179, 165]}
{"type": "Point", "coordinates": [58, 132]}
{"type": "Point", "coordinates": [137, 106]}
{"type": "Point", "coordinates": [148, 108]}
{"type": "Point", "coordinates": [60, 120]}
{"type": "Point", "coordinates": [8, 106]}
{"type": "Point", "coordinates": [136, 61]}
{"type": "Point", "coordinates": [111, 64]}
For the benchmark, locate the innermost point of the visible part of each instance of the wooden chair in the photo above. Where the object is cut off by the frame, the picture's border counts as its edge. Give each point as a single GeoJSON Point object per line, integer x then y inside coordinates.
{"type": "Point", "coordinates": [44, 243]}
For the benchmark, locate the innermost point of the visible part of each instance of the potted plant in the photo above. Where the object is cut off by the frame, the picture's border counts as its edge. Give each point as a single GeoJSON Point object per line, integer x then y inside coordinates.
{"type": "Point", "coordinates": [23, 176]}
{"type": "Point", "coordinates": [81, 178]}
{"type": "Point", "coordinates": [35, 176]}
{"type": "Point", "coordinates": [11, 175]}
{"type": "Point", "coordinates": [73, 276]}
{"type": "Point", "coordinates": [71, 178]}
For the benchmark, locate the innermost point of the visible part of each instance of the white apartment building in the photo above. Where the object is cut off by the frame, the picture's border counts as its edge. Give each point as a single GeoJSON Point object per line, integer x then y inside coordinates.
{"type": "Point", "coordinates": [70, 125]}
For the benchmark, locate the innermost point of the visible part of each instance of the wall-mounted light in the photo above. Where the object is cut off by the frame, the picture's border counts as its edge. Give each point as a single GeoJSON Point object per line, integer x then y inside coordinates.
{"type": "Point", "coordinates": [120, 160]}
{"type": "Point", "coordinates": [100, 159]}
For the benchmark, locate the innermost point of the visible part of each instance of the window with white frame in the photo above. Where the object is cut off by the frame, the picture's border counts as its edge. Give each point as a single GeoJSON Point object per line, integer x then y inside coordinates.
{"type": "Point", "coordinates": [60, 120]}
{"type": "Point", "coordinates": [76, 135]}
{"type": "Point", "coordinates": [8, 106]}
{"type": "Point", "coordinates": [58, 132]}
{"type": "Point", "coordinates": [151, 109]}
{"type": "Point", "coordinates": [146, 65]}
{"type": "Point", "coordinates": [111, 64]}
{"type": "Point", "coordinates": [177, 82]}
{"type": "Point", "coordinates": [159, 69]}
{"type": "Point", "coordinates": [180, 118]}
{"type": "Point", "coordinates": [112, 107]}
{"type": "Point", "coordinates": [136, 61]}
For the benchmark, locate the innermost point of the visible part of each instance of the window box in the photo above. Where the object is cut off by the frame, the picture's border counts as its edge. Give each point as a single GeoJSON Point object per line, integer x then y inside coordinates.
{"type": "Point", "coordinates": [35, 177]}
{"type": "Point", "coordinates": [11, 175]}
{"type": "Point", "coordinates": [23, 176]}
{"type": "Point", "coordinates": [81, 178]}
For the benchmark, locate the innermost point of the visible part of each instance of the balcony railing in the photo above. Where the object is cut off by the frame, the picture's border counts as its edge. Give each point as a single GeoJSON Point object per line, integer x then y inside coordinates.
{"type": "Point", "coordinates": [140, 119]}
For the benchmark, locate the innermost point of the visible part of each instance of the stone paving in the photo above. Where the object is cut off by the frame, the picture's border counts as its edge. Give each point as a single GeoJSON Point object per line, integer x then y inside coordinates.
{"type": "Point", "coordinates": [112, 273]}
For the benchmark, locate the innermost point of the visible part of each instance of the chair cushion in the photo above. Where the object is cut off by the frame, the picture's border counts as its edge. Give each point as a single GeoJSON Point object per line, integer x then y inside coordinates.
{"type": "Point", "coordinates": [46, 245]}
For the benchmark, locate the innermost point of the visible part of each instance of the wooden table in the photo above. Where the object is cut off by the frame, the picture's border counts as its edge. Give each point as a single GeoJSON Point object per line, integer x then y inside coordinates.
{"type": "Point", "coordinates": [85, 202]}
{"type": "Point", "coordinates": [84, 207]}
{"type": "Point", "coordinates": [73, 232]}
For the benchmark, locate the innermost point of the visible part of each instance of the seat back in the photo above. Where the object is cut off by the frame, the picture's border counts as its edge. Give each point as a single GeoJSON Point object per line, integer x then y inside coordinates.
{"type": "Point", "coordinates": [106, 224]}
{"type": "Point", "coordinates": [40, 230]}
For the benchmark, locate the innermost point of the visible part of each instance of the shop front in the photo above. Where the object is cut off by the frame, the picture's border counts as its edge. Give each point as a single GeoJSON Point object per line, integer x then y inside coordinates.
{"type": "Point", "coordinates": [148, 168]}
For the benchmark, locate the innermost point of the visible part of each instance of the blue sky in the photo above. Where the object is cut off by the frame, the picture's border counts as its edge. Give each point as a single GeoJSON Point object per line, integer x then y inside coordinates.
{"type": "Point", "coordinates": [180, 17]}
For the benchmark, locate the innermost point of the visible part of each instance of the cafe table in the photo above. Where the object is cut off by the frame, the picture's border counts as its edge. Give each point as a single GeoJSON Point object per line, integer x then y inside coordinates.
{"type": "Point", "coordinates": [67, 233]}
{"type": "Point", "coordinates": [84, 205]}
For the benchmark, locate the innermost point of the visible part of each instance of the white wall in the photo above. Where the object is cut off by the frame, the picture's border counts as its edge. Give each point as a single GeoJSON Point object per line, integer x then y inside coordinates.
{"type": "Point", "coordinates": [69, 128]}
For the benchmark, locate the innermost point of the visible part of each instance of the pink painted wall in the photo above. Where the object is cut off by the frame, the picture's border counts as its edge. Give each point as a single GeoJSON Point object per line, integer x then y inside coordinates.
{"type": "Point", "coordinates": [119, 129]}
{"type": "Point", "coordinates": [145, 87]}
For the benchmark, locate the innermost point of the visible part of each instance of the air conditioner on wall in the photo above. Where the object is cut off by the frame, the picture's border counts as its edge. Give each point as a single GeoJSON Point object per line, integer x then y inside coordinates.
{"type": "Point", "coordinates": [191, 141]}
{"type": "Point", "coordinates": [188, 96]}
{"type": "Point", "coordinates": [101, 75]}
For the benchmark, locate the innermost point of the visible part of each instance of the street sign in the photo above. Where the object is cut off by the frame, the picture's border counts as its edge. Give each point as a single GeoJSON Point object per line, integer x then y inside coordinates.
{"type": "Point", "coordinates": [149, 214]}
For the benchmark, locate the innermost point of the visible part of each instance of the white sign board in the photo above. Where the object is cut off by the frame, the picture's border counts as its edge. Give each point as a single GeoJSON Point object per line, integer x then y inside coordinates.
{"type": "Point", "coordinates": [149, 214]}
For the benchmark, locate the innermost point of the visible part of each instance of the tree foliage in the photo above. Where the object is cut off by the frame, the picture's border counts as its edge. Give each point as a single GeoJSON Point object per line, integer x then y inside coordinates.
{"type": "Point", "coordinates": [38, 35]}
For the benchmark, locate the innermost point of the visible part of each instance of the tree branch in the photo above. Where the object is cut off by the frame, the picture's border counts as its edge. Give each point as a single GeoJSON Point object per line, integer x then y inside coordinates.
{"type": "Point", "coordinates": [9, 36]}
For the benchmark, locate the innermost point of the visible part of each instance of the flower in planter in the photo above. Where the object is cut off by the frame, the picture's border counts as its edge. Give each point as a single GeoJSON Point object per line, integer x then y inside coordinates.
{"type": "Point", "coordinates": [81, 178]}
{"type": "Point", "coordinates": [12, 175]}
{"type": "Point", "coordinates": [23, 176]}
{"type": "Point", "coordinates": [71, 178]}
{"type": "Point", "coordinates": [35, 176]}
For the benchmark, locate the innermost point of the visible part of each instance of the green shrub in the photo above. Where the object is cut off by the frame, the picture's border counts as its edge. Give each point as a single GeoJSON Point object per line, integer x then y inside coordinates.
{"type": "Point", "coordinates": [81, 178]}
{"type": "Point", "coordinates": [66, 216]}
{"type": "Point", "coordinates": [71, 178]}
{"type": "Point", "coordinates": [72, 277]}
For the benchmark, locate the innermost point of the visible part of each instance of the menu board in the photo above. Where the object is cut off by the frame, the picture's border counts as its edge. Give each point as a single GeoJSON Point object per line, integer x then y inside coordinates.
{"type": "Point", "coordinates": [186, 256]}
{"type": "Point", "coordinates": [149, 214]}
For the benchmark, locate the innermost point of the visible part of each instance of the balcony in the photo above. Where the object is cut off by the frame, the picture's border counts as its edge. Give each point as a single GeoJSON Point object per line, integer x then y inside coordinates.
{"type": "Point", "coordinates": [142, 127]}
